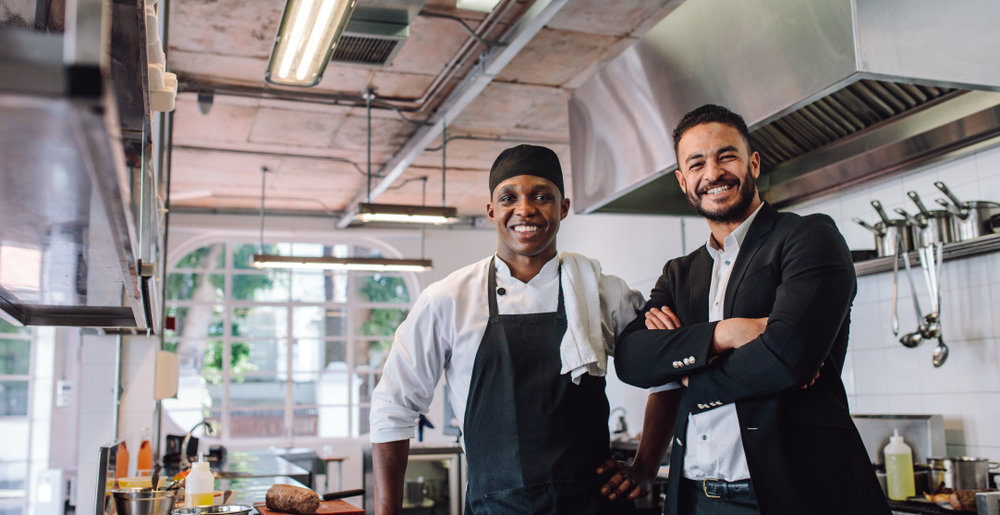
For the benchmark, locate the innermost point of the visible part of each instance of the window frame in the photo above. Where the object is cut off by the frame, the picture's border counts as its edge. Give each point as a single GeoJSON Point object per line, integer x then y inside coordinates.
{"type": "Point", "coordinates": [353, 335]}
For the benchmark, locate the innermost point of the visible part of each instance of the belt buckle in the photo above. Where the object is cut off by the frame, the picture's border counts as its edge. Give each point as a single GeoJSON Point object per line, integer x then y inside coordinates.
{"type": "Point", "coordinates": [704, 488]}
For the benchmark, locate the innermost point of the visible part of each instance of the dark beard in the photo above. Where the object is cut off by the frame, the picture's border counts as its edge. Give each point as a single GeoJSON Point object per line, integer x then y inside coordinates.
{"type": "Point", "coordinates": [734, 213]}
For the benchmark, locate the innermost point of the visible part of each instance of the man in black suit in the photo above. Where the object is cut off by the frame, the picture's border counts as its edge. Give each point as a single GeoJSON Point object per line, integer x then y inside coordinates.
{"type": "Point", "coordinates": [754, 325]}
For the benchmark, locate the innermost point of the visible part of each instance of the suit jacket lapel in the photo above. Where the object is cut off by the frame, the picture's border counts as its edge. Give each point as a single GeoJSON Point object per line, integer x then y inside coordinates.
{"type": "Point", "coordinates": [701, 282]}
{"type": "Point", "coordinates": [755, 238]}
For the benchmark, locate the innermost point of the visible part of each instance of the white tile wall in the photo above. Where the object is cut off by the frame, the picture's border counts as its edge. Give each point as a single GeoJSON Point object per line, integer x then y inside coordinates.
{"type": "Point", "coordinates": [882, 376]}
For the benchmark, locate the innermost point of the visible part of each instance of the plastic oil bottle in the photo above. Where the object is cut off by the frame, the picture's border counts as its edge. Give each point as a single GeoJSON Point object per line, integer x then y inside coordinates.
{"type": "Point", "coordinates": [144, 461]}
{"type": "Point", "coordinates": [899, 468]}
{"type": "Point", "coordinates": [200, 484]}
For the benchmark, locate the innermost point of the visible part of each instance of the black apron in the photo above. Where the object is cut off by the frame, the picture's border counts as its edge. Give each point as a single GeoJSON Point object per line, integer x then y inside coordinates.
{"type": "Point", "coordinates": [534, 439]}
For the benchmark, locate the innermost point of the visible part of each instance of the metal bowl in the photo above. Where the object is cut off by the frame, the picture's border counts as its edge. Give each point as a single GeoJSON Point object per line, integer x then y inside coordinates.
{"type": "Point", "coordinates": [225, 509]}
{"type": "Point", "coordinates": [139, 501]}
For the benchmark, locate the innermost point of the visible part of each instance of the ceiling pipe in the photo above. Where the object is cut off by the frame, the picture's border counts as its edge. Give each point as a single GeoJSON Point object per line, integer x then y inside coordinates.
{"type": "Point", "coordinates": [517, 37]}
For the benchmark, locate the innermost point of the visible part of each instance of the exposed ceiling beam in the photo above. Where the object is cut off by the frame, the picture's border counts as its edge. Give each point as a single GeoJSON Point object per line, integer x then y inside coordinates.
{"type": "Point", "coordinates": [533, 20]}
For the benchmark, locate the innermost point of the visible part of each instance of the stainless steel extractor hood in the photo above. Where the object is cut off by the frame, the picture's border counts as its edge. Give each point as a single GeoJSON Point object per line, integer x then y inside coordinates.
{"type": "Point", "coordinates": [835, 92]}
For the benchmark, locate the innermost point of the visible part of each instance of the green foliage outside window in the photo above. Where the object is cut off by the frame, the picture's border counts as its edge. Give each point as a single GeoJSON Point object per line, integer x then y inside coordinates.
{"type": "Point", "coordinates": [239, 364]}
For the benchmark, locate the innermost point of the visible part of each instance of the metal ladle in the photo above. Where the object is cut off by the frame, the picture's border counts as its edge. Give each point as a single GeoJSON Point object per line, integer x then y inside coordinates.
{"type": "Point", "coordinates": [914, 339]}
{"type": "Point", "coordinates": [940, 354]}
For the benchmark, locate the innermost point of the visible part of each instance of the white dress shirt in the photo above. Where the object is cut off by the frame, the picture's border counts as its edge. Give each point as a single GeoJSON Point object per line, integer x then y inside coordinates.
{"type": "Point", "coordinates": [442, 333]}
{"type": "Point", "coordinates": [714, 447]}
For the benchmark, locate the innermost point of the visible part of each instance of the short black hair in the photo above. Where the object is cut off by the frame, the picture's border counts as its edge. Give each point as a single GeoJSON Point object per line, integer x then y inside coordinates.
{"type": "Point", "coordinates": [711, 113]}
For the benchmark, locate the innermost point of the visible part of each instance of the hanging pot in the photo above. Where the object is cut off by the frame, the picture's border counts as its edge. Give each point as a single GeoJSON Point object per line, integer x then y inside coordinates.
{"type": "Point", "coordinates": [971, 219]}
{"type": "Point", "coordinates": [960, 473]}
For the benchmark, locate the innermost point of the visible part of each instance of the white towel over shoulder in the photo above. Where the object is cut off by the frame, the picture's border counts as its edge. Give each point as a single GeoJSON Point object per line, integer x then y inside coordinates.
{"type": "Point", "coordinates": [583, 347]}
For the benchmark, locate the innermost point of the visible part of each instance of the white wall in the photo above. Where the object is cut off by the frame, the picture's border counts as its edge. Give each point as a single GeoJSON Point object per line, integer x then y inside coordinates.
{"type": "Point", "coordinates": [880, 374]}
{"type": "Point", "coordinates": [97, 405]}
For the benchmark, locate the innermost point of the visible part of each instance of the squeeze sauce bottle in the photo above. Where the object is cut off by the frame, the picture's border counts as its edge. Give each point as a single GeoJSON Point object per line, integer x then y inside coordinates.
{"type": "Point", "coordinates": [899, 468]}
{"type": "Point", "coordinates": [200, 484]}
{"type": "Point", "coordinates": [144, 461]}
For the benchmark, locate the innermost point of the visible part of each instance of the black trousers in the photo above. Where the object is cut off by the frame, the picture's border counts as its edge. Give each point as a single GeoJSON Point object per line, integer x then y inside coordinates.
{"type": "Point", "coordinates": [693, 501]}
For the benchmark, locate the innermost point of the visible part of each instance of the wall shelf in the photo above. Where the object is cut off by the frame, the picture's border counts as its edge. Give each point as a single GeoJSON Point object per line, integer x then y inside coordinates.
{"type": "Point", "coordinates": [962, 249]}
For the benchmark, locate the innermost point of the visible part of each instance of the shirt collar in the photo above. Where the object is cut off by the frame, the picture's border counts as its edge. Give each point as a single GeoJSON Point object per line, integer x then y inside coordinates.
{"type": "Point", "coordinates": [549, 271]}
{"type": "Point", "coordinates": [735, 238]}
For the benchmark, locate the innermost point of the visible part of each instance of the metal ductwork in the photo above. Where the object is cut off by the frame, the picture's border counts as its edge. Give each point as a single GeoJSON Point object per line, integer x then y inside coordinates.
{"type": "Point", "coordinates": [376, 32]}
{"type": "Point", "coordinates": [835, 93]}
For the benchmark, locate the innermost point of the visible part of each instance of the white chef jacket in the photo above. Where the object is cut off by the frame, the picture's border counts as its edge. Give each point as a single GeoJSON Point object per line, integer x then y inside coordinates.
{"type": "Point", "coordinates": [443, 331]}
{"type": "Point", "coordinates": [714, 447]}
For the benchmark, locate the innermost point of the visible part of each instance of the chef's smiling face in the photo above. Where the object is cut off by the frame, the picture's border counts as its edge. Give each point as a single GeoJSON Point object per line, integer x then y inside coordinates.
{"type": "Point", "coordinates": [717, 172]}
{"type": "Point", "coordinates": [526, 211]}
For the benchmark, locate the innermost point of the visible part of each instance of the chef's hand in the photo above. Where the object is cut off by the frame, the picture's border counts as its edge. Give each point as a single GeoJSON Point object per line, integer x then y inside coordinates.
{"type": "Point", "coordinates": [628, 481]}
{"type": "Point", "coordinates": [733, 333]}
{"type": "Point", "coordinates": [815, 377]}
{"type": "Point", "coordinates": [662, 318]}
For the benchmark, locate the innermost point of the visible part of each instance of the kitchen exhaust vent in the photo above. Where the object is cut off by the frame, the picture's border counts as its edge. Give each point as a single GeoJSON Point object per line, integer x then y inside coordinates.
{"type": "Point", "coordinates": [371, 42]}
{"type": "Point", "coordinates": [837, 115]}
{"type": "Point", "coordinates": [835, 93]}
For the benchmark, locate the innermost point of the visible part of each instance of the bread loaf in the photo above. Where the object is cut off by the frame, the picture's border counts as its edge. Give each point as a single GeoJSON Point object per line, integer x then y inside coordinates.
{"type": "Point", "coordinates": [963, 500]}
{"type": "Point", "coordinates": [292, 499]}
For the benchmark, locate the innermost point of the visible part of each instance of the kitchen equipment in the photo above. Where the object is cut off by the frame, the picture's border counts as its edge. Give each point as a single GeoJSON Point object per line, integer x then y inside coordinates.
{"type": "Point", "coordinates": [935, 226]}
{"type": "Point", "coordinates": [899, 468]}
{"type": "Point", "coordinates": [346, 493]}
{"type": "Point", "coordinates": [988, 502]}
{"type": "Point", "coordinates": [139, 501]}
{"type": "Point", "coordinates": [224, 509]}
{"type": "Point", "coordinates": [415, 491]}
{"type": "Point", "coordinates": [887, 231]}
{"type": "Point", "coordinates": [911, 340]}
{"type": "Point", "coordinates": [931, 328]}
{"type": "Point", "coordinates": [921, 481]}
{"type": "Point", "coordinates": [923, 433]}
{"type": "Point", "coordinates": [156, 476]}
{"type": "Point", "coordinates": [895, 291]}
{"type": "Point", "coordinates": [972, 219]}
{"type": "Point", "coordinates": [961, 473]}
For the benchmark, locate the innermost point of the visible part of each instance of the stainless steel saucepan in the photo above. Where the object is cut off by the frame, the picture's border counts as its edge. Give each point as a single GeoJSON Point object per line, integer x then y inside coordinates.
{"type": "Point", "coordinates": [929, 226]}
{"type": "Point", "coordinates": [887, 231]}
{"type": "Point", "coordinates": [972, 219]}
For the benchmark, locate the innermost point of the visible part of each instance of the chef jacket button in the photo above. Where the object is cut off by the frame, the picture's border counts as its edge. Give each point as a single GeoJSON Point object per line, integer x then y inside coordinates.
{"type": "Point", "coordinates": [501, 291]}
{"type": "Point", "coordinates": [692, 359]}
{"type": "Point", "coordinates": [677, 364]}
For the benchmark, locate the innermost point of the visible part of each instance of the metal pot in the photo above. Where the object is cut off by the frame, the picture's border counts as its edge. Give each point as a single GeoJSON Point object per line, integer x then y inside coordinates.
{"type": "Point", "coordinates": [930, 226]}
{"type": "Point", "coordinates": [960, 473]}
{"type": "Point", "coordinates": [887, 231]}
{"type": "Point", "coordinates": [972, 219]}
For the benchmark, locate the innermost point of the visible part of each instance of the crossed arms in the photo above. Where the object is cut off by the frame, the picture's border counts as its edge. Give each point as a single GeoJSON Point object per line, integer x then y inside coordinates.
{"type": "Point", "coordinates": [813, 298]}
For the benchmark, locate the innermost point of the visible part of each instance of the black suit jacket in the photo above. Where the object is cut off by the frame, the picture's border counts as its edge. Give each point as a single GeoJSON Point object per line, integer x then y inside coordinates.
{"type": "Point", "coordinates": [804, 453]}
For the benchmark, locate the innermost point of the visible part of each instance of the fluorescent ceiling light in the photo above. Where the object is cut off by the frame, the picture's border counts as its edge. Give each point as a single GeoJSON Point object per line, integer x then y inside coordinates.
{"type": "Point", "coordinates": [332, 263]}
{"type": "Point", "coordinates": [477, 5]}
{"type": "Point", "coordinates": [407, 214]}
{"type": "Point", "coordinates": [307, 34]}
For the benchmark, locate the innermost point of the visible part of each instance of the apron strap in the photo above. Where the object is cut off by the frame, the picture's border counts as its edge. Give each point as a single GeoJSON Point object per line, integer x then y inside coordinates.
{"type": "Point", "coordinates": [491, 288]}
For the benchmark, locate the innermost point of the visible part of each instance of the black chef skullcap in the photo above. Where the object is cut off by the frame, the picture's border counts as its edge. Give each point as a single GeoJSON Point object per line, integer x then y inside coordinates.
{"type": "Point", "coordinates": [527, 160]}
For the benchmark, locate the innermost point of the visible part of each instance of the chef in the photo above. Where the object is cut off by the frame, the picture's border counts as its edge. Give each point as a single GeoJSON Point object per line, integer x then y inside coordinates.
{"type": "Point", "coordinates": [522, 338]}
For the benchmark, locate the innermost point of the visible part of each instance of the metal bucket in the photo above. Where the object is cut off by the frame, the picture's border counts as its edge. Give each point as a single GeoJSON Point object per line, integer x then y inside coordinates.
{"type": "Point", "coordinates": [139, 501]}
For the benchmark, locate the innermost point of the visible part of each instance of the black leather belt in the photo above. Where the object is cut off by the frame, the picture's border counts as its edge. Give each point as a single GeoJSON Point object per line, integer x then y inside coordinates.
{"type": "Point", "coordinates": [718, 489]}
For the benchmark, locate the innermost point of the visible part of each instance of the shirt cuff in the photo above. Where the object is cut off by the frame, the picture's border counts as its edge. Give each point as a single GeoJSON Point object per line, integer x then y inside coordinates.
{"type": "Point", "coordinates": [669, 386]}
{"type": "Point", "coordinates": [391, 422]}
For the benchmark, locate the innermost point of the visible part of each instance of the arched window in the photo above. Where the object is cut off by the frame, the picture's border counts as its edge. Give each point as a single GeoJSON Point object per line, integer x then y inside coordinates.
{"type": "Point", "coordinates": [279, 354]}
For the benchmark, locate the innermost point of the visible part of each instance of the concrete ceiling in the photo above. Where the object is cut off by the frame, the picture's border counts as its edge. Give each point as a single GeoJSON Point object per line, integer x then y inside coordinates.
{"type": "Point", "coordinates": [309, 146]}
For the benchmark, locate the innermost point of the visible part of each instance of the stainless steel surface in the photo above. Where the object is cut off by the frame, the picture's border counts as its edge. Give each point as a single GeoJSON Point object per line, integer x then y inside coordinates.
{"type": "Point", "coordinates": [457, 474]}
{"type": "Point", "coordinates": [961, 472]}
{"type": "Point", "coordinates": [65, 190]}
{"type": "Point", "coordinates": [139, 501]}
{"type": "Point", "coordinates": [895, 291]}
{"type": "Point", "coordinates": [819, 83]}
{"type": "Point", "coordinates": [931, 226]}
{"type": "Point", "coordinates": [923, 433]}
{"type": "Point", "coordinates": [522, 32]}
{"type": "Point", "coordinates": [988, 503]}
{"type": "Point", "coordinates": [970, 219]}
{"type": "Point", "coordinates": [957, 250]}
{"type": "Point", "coordinates": [225, 509]}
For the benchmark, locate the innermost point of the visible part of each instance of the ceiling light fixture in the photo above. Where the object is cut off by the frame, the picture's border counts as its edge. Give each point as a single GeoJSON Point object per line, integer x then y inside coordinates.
{"type": "Point", "coordinates": [307, 34]}
{"type": "Point", "coordinates": [333, 263]}
{"type": "Point", "coordinates": [371, 264]}
{"type": "Point", "coordinates": [406, 213]}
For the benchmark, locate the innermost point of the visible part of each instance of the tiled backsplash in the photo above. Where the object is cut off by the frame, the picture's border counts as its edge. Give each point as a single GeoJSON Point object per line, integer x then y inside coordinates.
{"type": "Point", "coordinates": [880, 374]}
